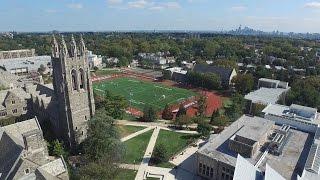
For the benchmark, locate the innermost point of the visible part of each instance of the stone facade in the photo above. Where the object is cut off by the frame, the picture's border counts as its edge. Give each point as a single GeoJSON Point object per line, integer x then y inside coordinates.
{"type": "Point", "coordinates": [24, 152]}
{"type": "Point", "coordinates": [14, 103]}
{"type": "Point", "coordinates": [72, 89]}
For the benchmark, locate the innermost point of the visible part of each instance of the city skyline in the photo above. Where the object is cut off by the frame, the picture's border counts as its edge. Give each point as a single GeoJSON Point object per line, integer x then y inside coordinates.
{"type": "Point", "coordinates": [134, 15]}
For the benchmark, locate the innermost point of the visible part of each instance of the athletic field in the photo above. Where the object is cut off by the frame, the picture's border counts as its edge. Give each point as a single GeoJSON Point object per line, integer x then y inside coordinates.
{"type": "Point", "coordinates": [141, 93]}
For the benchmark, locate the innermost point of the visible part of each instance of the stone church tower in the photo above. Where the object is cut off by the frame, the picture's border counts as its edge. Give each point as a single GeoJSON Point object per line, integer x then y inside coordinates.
{"type": "Point", "coordinates": [73, 90]}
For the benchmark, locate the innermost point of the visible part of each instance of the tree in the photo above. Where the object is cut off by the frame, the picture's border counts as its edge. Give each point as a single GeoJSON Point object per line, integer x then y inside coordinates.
{"type": "Point", "coordinates": [237, 107]}
{"type": "Point", "coordinates": [149, 114]}
{"type": "Point", "coordinates": [202, 105]}
{"type": "Point", "coordinates": [243, 83]}
{"type": "Point", "coordinates": [102, 149]}
{"type": "Point", "coordinates": [182, 111]}
{"type": "Point", "coordinates": [215, 114]}
{"type": "Point", "coordinates": [182, 120]}
{"type": "Point", "coordinates": [203, 128]}
{"type": "Point", "coordinates": [167, 113]}
{"type": "Point", "coordinates": [114, 105]}
{"type": "Point", "coordinates": [160, 154]}
{"type": "Point", "coordinates": [57, 149]}
{"type": "Point", "coordinates": [220, 121]}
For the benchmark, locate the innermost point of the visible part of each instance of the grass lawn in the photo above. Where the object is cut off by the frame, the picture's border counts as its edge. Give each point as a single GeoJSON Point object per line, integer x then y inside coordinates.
{"type": "Point", "coordinates": [136, 147]}
{"type": "Point", "coordinates": [126, 174]}
{"type": "Point", "coordinates": [127, 130]}
{"type": "Point", "coordinates": [174, 143]}
{"type": "Point", "coordinates": [141, 93]}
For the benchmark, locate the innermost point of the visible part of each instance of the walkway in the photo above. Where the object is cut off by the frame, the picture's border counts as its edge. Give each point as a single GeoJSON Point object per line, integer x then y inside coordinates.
{"type": "Point", "coordinates": [136, 134]}
{"type": "Point", "coordinates": [147, 154]}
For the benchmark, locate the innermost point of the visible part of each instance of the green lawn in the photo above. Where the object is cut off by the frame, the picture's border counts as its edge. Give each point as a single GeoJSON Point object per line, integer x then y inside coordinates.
{"type": "Point", "coordinates": [126, 174]}
{"type": "Point", "coordinates": [174, 143]}
{"type": "Point", "coordinates": [127, 130]}
{"type": "Point", "coordinates": [136, 147]}
{"type": "Point", "coordinates": [141, 93]}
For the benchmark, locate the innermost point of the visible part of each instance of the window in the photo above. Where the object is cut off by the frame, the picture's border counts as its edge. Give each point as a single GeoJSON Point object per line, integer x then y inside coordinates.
{"type": "Point", "coordinates": [207, 171]}
{"type": "Point", "coordinates": [200, 167]}
{"type": "Point", "coordinates": [3, 113]}
{"type": "Point", "coordinates": [82, 79]}
{"type": "Point", "coordinates": [76, 128]}
{"type": "Point", "coordinates": [223, 169]}
{"type": "Point", "coordinates": [74, 80]}
{"type": "Point", "coordinates": [14, 111]}
{"type": "Point", "coordinates": [222, 175]}
{"type": "Point", "coordinates": [24, 108]}
{"type": "Point", "coordinates": [204, 169]}
{"type": "Point", "coordinates": [27, 171]}
{"type": "Point", "coordinates": [211, 172]}
{"type": "Point", "coordinates": [13, 102]}
{"type": "Point", "coordinates": [85, 118]}
{"type": "Point", "coordinates": [82, 133]}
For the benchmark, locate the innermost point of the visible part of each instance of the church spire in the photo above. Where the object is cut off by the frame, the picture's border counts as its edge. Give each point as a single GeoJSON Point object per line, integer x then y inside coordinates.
{"type": "Point", "coordinates": [82, 46]}
{"type": "Point", "coordinates": [64, 48]}
{"type": "Point", "coordinates": [55, 47]}
{"type": "Point", "coordinates": [73, 47]}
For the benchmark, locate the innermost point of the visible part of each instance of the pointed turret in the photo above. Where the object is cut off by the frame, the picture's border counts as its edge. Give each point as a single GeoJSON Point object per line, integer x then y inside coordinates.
{"type": "Point", "coordinates": [64, 49]}
{"type": "Point", "coordinates": [74, 50]}
{"type": "Point", "coordinates": [82, 46]}
{"type": "Point", "coordinates": [55, 47]}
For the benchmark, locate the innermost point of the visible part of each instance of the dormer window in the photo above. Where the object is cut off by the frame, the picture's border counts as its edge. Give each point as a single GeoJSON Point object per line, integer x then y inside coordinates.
{"type": "Point", "coordinates": [13, 102]}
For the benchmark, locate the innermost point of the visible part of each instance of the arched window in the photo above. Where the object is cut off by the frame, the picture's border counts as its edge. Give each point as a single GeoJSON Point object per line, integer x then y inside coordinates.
{"type": "Point", "coordinates": [82, 77]}
{"type": "Point", "coordinates": [74, 79]}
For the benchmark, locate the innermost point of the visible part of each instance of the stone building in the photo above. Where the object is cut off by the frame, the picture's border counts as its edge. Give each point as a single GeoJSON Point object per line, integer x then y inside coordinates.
{"type": "Point", "coordinates": [67, 104]}
{"type": "Point", "coordinates": [24, 154]}
{"type": "Point", "coordinates": [73, 91]}
{"type": "Point", "coordinates": [13, 102]}
{"type": "Point", "coordinates": [261, 142]}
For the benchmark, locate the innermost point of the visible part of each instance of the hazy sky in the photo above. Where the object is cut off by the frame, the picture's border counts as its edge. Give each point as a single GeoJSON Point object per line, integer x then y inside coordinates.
{"type": "Point", "coordinates": [100, 15]}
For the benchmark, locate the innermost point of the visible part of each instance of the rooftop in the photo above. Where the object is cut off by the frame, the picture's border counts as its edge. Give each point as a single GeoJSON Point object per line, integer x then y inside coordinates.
{"type": "Point", "coordinates": [289, 112]}
{"type": "Point", "coordinates": [32, 63]}
{"type": "Point", "coordinates": [293, 155]}
{"type": "Point", "coordinates": [217, 147]}
{"type": "Point", "coordinates": [265, 95]}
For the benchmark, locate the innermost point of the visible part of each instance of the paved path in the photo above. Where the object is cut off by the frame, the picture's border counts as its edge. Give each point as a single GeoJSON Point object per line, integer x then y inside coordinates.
{"type": "Point", "coordinates": [185, 160]}
{"type": "Point", "coordinates": [136, 134]}
{"type": "Point", "coordinates": [147, 154]}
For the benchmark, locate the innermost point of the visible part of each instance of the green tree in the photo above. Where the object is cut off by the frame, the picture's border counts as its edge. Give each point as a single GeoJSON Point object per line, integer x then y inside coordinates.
{"type": "Point", "coordinates": [215, 114]}
{"type": "Point", "coordinates": [102, 149]}
{"type": "Point", "coordinates": [202, 105]}
{"type": "Point", "coordinates": [182, 111]}
{"type": "Point", "coordinates": [220, 121]}
{"type": "Point", "coordinates": [57, 149]}
{"type": "Point", "coordinates": [167, 113]}
{"type": "Point", "coordinates": [149, 114]}
{"type": "Point", "coordinates": [114, 105]}
{"type": "Point", "coordinates": [182, 120]}
{"type": "Point", "coordinates": [160, 154]}
{"type": "Point", "coordinates": [243, 83]}
{"type": "Point", "coordinates": [204, 128]}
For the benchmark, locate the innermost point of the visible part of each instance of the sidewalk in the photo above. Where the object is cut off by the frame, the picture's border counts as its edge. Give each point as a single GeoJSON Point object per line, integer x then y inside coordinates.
{"type": "Point", "coordinates": [147, 154]}
{"type": "Point", "coordinates": [135, 134]}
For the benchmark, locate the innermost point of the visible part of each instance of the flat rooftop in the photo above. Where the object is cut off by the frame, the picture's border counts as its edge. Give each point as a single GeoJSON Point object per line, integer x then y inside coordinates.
{"type": "Point", "coordinates": [32, 63]}
{"type": "Point", "coordinates": [293, 157]}
{"type": "Point", "coordinates": [265, 95]}
{"type": "Point", "coordinates": [218, 148]}
{"type": "Point", "coordinates": [284, 111]}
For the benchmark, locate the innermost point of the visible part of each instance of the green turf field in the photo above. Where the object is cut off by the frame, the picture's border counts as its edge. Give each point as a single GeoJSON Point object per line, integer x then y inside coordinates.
{"type": "Point", "coordinates": [141, 93]}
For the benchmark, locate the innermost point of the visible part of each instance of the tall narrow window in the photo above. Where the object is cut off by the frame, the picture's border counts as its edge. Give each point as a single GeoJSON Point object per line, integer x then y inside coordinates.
{"type": "Point", "coordinates": [82, 79]}
{"type": "Point", "coordinates": [74, 79]}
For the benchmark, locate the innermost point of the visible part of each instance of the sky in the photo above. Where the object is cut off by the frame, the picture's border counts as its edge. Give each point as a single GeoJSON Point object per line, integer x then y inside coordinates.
{"type": "Point", "coordinates": [126, 15]}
